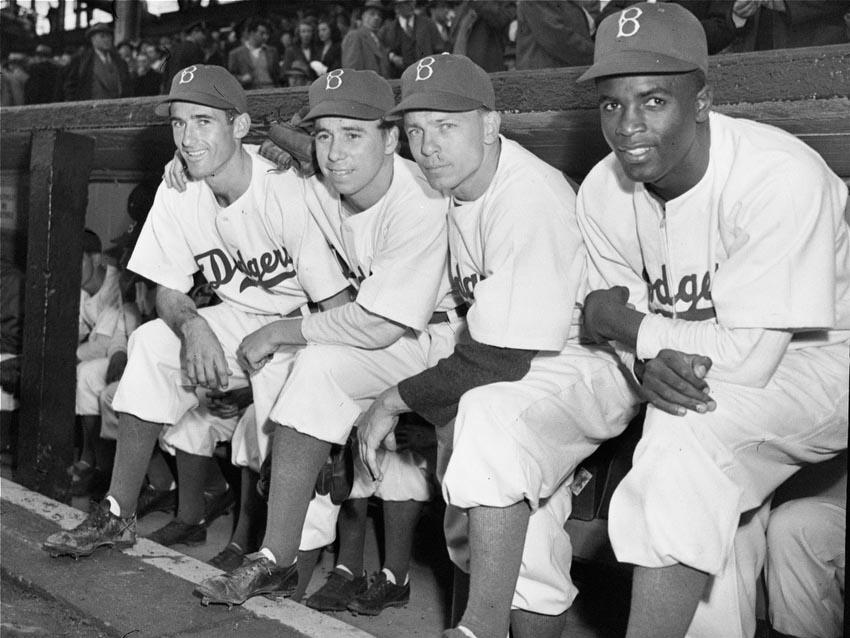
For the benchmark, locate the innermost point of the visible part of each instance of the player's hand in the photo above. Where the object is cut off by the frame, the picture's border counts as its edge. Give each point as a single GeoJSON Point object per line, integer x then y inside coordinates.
{"type": "Point", "coordinates": [375, 428]}
{"type": "Point", "coordinates": [175, 174]}
{"type": "Point", "coordinates": [257, 349]}
{"type": "Point", "coordinates": [202, 357]}
{"type": "Point", "coordinates": [675, 382]}
{"type": "Point", "coordinates": [228, 404]}
{"type": "Point", "coordinates": [597, 305]}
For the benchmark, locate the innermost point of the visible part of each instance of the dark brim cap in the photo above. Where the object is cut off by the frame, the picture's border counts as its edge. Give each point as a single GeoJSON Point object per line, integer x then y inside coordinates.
{"type": "Point", "coordinates": [632, 62]}
{"type": "Point", "coordinates": [445, 82]}
{"type": "Point", "coordinates": [649, 39]}
{"type": "Point", "coordinates": [357, 95]}
{"type": "Point", "coordinates": [207, 85]}
{"type": "Point", "coordinates": [435, 101]}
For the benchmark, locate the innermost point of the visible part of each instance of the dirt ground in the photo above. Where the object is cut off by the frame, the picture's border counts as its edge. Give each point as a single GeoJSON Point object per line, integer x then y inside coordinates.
{"type": "Point", "coordinates": [25, 613]}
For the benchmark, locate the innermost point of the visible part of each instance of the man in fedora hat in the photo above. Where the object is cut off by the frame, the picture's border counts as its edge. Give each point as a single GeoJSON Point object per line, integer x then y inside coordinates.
{"type": "Point", "coordinates": [720, 265]}
{"type": "Point", "coordinates": [98, 72]}
{"type": "Point", "coordinates": [362, 48]}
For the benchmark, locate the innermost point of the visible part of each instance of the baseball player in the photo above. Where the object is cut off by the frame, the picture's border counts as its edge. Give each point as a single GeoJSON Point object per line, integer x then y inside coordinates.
{"type": "Point", "coordinates": [247, 228]}
{"type": "Point", "coordinates": [389, 228]}
{"type": "Point", "coordinates": [720, 264]}
{"type": "Point", "coordinates": [806, 554]}
{"type": "Point", "coordinates": [103, 330]}
{"type": "Point", "coordinates": [529, 403]}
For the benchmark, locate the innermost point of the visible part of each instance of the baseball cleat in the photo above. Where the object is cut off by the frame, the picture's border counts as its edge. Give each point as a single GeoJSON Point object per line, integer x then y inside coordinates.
{"type": "Point", "coordinates": [380, 595]}
{"type": "Point", "coordinates": [101, 528]}
{"type": "Point", "coordinates": [255, 577]}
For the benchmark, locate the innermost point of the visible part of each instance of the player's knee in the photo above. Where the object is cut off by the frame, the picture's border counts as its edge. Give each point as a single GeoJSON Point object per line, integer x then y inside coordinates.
{"type": "Point", "coordinates": [786, 529]}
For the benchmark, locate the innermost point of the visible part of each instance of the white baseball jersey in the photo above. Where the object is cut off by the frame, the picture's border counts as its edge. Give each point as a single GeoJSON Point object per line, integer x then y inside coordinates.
{"type": "Point", "coordinates": [518, 258]}
{"type": "Point", "coordinates": [93, 308]}
{"type": "Point", "coordinates": [396, 250]}
{"type": "Point", "coordinates": [759, 242]}
{"type": "Point", "coordinates": [262, 254]}
{"type": "Point", "coordinates": [517, 262]}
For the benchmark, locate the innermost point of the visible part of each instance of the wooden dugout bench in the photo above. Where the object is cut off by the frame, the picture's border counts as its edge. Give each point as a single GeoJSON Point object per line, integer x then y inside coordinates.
{"type": "Point", "coordinates": [59, 148]}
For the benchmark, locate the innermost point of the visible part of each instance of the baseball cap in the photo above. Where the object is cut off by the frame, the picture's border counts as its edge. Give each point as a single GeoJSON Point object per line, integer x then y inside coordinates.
{"type": "Point", "coordinates": [360, 95]}
{"type": "Point", "coordinates": [649, 38]}
{"type": "Point", "coordinates": [207, 85]}
{"type": "Point", "coordinates": [444, 82]}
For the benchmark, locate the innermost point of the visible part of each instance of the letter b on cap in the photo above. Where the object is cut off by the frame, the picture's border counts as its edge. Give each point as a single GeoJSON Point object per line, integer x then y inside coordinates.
{"type": "Point", "coordinates": [334, 80]}
{"type": "Point", "coordinates": [628, 22]}
{"type": "Point", "coordinates": [187, 74]}
{"type": "Point", "coordinates": [424, 69]}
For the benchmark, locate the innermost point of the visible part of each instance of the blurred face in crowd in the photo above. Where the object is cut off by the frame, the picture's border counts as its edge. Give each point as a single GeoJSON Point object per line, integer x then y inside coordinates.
{"type": "Point", "coordinates": [305, 33]}
{"type": "Point", "coordinates": [356, 156]}
{"type": "Point", "coordinates": [372, 19]}
{"type": "Point", "coordinates": [102, 41]}
{"type": "Point", "coordinates": [404, 9]}
{"type": "Point", "coordinates": [126, 53]}
{"type": "Point", "coordinates": [286, 39]}
{"type": "Point", "coordinates": [151, 52]}
{"type": "Point", "coordinates": [258, 36]}
{"type": "Point", "coordinates": [324, 32]}
{"type": "Point", "coordinates": [165, 43]}
{"type": "Point", "coordinates": [143, 64]}
{"type": "Point", "coordinates": [206, 137]}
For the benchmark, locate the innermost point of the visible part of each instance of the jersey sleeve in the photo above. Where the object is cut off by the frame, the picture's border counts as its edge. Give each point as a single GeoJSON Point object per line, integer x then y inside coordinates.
{"type": "Point", "coordinates": [534, 265]}
{"type": "Point", "coordinates": [434, 393]}
{"type": "Point", "coordinates": [781, 243]}
{"type": "Point", "coordinates": [317, 269]}
{"type": "Point", "coordinates": [409, 264]}
{"type": "Point", "coordinates": [162, 253]}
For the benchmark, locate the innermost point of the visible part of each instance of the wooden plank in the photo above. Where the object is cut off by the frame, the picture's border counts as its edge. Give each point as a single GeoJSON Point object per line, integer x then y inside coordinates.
{"type": "Point", "coordinates": [552, 135]}
{"type": "Point", "coordinates": [787, 74]}
{"type": "Point", "coordinates": [59, 171]}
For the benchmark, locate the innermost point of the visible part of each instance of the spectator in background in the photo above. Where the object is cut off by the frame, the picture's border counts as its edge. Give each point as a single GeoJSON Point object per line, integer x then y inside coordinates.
{"type": "Point", "coordinates": [303, 51]}
{"type": "Point", "coordinates": [361, 48]}
{"type": "Point", "coordinates": [213, 50]}
{"type": "Point", "coordinates": [15, 78]}
{"type": "Point", "coordinates": [806, 556]}
{"type": "Point", "coordinates": [441, 16]}
{"type": "Point", "coordinates": [409, 38]}
{"type": "Point", "coordinates": [126, 53]}
{"type": "Point", "coordinates": [343, 24]}
{"type": "Point", "coordinates": [715, 16]}
{"type": "Point", "coordinates": [98, 73]}
{"type": "Point", "coordinates": [255, 64]}
{"type": "Point", "coordinates": [147, 81]}
{"type": "Point", "coordinates": [553, 34]}
{"type": "Point", "coordinates": [44, 74]}
{"type": "Point", "coordinates": [155, 55]}
{"type": "Point", "coordinates": [185, 52]}
{"type": "Point", "coordinates": [101, 354]}
{"type": "Point", "coordinates": [480, 32]}
{"type": "Point", "coordinates": [330, 51]}
{"type": "Point", "coordinates": [779, 24]}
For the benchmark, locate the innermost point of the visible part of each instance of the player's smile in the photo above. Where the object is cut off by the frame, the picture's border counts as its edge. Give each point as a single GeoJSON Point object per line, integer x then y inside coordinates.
{"type": "Point", "coordinates": [650, 122]}
{"type": "Point", "coordinates": [355, 156]}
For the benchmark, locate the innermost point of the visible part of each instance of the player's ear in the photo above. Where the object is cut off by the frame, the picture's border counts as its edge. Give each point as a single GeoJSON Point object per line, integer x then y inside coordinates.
{"type": "Point", "coordinates": [703, 102]}
{"type": "Point", "coordinates": [390, 140]}
{"type": "Point", "coordinates": [492, 122]}
{"type": "Point", "coordinates": [241, 125]}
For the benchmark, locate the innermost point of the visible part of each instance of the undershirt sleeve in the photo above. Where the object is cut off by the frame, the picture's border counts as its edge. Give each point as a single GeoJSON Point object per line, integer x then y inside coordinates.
{"type": "Point", "coordinates": [434, 393]}
{"type": "Point", "coordinates": [351, 325]}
